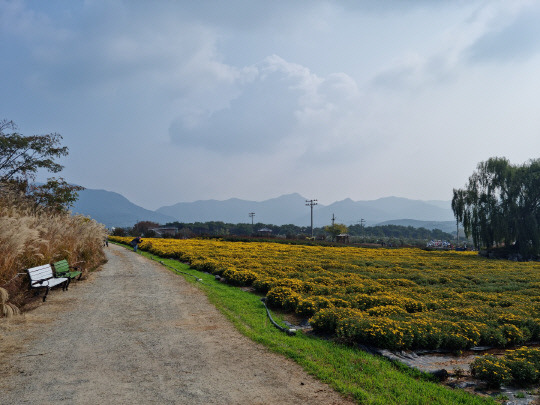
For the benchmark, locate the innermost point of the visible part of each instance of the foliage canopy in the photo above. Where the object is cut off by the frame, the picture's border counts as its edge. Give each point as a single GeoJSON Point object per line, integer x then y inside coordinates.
{"type": "Point", "coordinates": [21, 157]}
{"type": "Point", "coordinates": [501, 205]}
{"type": "Point", "coordinates": [335, 229]}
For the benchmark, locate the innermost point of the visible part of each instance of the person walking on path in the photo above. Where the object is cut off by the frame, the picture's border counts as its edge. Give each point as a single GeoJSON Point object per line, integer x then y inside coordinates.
{"type": "Point", "coordinates": [135, 242]}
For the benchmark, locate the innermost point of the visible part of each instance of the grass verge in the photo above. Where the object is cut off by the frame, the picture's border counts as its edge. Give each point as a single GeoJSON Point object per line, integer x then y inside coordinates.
{"type": "Point", "coordinates": [366, 378]}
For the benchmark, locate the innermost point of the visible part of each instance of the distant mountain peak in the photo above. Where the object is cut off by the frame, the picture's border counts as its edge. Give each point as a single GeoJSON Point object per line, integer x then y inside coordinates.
{"type": "Point", "coordinates": [113, 209]}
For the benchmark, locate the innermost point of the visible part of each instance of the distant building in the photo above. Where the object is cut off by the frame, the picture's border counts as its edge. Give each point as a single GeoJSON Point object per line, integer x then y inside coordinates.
{"type": "Point", "coordinates": [264, 232]}
{"type": "Point", "coordinates": [164, 231]}
{"type": "Point", "coordinates": [342, 238]}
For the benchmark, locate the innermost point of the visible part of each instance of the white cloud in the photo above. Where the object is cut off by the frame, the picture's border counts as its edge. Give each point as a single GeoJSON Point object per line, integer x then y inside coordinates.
{"type": "Point", "coordinates": [349, 100]}
{"type": "Point", "coordinates": [282, 105]}
{"type": "Point", "coordinates": [514, 34]}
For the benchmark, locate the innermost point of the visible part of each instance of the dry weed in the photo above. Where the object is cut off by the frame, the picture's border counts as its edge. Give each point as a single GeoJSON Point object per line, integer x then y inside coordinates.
{"type": "Point", "coordinates": [31, 235]}
{"type": "Point", "coordinates": [4, 296]}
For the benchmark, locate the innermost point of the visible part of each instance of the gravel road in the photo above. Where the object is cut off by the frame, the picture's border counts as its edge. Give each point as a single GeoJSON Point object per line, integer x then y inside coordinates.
{"type": "Point", "coordinates": [134, 333]}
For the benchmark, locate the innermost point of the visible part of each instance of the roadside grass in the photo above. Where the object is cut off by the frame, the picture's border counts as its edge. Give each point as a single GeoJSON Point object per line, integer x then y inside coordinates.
{"type": "Point", "coordinates": [366, 378]}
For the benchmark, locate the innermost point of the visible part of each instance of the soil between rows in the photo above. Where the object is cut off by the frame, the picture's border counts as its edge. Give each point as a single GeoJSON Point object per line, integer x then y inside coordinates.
{"type": "Point", "coordinates": [134, 333]}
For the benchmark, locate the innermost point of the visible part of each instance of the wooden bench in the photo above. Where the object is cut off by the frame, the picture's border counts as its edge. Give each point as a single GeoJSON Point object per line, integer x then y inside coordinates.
{"type": "Point", "coordinates": [63, 269]}
{"type": "Point", "coordinates": [43, 277]}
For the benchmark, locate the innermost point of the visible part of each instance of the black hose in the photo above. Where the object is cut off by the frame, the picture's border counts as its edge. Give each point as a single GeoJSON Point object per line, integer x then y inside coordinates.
{"type": "Point", "coordinates": [289, 332]}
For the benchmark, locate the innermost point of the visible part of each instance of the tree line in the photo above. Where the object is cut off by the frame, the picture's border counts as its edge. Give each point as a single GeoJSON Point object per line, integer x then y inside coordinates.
{"type": "Point", "coordinates": [373, 234]}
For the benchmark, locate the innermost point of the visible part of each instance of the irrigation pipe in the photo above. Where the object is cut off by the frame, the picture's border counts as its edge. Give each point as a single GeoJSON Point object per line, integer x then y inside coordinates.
{"type": "Point", "coordinates": [13, 278]}
{"type": "Point", "coordinates": [289, 332]}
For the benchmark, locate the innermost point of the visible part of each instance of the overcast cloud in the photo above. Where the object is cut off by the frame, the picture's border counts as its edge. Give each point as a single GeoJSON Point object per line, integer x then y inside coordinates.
{"type": "Point", "coordinates": [173, 101]}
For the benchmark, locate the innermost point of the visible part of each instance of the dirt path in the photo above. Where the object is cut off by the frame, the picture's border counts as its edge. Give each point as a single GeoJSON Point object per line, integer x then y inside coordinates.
{"type": "Point", "coordinates": [134, 333]}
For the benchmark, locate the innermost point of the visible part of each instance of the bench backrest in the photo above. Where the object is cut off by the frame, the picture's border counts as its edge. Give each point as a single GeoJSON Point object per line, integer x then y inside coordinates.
{"type": "Point", "coordinates": [43, 272]}
{"type": "Point", "coordinates": [62, 266]}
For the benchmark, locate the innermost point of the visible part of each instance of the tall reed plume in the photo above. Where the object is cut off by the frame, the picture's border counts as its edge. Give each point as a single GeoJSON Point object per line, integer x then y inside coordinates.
{"type": "Point", "coordinates": [31, 235]}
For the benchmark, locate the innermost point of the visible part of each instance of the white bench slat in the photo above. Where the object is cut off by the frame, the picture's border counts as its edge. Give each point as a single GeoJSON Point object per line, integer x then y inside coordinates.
{"type": "Point", "coordinates": [50, 282]}
{"type": "Point", "coordinates": [43, 277]}
{"type": "Point", "coordinates": [40, 276]}
{"type": "Point", "coordinates": [39, 272]}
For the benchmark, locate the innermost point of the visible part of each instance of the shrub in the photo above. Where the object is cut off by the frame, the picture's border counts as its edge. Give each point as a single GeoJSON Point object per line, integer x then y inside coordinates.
{"type": "Point", "coordinates": [492, 337]}
{"type": "Point", "coordinates": [292, 283]}
{"type": "Point", "coordinates": [425, 334]}
{"type": "Point", "coordinates": [519, 367]}
{"type": "Point", "coordinates": [514, 335]}
{"type": "Point", "coordinates": [523, 372]}
{"type": "Point", "coordinates": [386, 310]}
{"type": "Point", "coordinates": [379, 332]}
{"type": "Point", "coordinates": [456, 341]}
{"type": "Point", "coordinates": [524, 364]}
{"type": "Point", "coordinates": [489, 369]}
{"type": "Point", "coordinates": [264, 284]}
{"type": "Point", "coordinates": [327, 319]}
{"type": "Point", "coordinates": [283, 297]}
{"type": "Point", "coordinates": [309, 306]}
{"type": "Point", "coordinates": [239, 277]}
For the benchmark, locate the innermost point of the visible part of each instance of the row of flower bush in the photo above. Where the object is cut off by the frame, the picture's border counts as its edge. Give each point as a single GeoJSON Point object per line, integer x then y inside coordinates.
{"type": "Point", "coordinates": [391, 298]}
{"type": "Point", "coordinates": [519, 367]}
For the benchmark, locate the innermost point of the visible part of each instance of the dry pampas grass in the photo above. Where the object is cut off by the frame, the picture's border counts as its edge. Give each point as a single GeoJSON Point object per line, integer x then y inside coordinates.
{"type": "Point", "coordinates": [4, 296]}
{"type": "Point", "coordinates": [31, 235]}
{"type": "Point", "coordinates": [7, 309]}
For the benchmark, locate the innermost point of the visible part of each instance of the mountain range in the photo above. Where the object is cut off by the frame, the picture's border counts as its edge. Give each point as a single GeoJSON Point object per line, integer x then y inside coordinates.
{"type": "Point", "coordinates": [113, 209]}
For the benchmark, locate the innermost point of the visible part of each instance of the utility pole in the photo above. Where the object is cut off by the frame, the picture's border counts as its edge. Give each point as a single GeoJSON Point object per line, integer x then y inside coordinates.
{"type": "Point", "coordinates": [362, 222]}
{"type": "Point", "coordinates": [252, 214]}
{"type": "Point", "coordinates": [311, 203]}
{"type": "Point", "coordinates": [333, 219]}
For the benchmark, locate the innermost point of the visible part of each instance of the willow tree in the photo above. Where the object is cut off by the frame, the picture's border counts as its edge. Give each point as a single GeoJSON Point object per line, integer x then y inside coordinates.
{"type": "Point", "coordinates": [501, 205]}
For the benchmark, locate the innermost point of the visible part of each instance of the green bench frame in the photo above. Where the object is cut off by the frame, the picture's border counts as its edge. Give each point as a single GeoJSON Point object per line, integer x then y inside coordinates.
{"type": "Point", "coordinates": [63, 269]}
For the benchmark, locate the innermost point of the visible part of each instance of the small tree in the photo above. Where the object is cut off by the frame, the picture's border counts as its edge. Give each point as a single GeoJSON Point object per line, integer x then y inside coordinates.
{"type": "Point", "coordinates": [143, 228]}
{"type": "Point", "coordinates": [22, 156]}
{"type": "Point", "coordinates": [335, 230]}
{"type": "Point", "coordinates": [119, 232]}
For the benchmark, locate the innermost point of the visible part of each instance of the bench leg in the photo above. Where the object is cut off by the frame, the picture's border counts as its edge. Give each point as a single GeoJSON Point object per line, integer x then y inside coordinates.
{"type": "Point", "coordinates": [45, 296]}
{"type": "Point", "coordinates": [66, 284]}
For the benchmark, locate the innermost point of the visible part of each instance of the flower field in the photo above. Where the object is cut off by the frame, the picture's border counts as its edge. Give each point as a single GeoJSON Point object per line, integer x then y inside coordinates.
{"type": "Point", "coordinates": [389, 298]}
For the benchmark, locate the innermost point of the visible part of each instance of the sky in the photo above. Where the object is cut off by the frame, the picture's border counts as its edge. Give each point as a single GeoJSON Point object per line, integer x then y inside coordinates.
{"type": "Point", "coordinates": [176, 101]}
